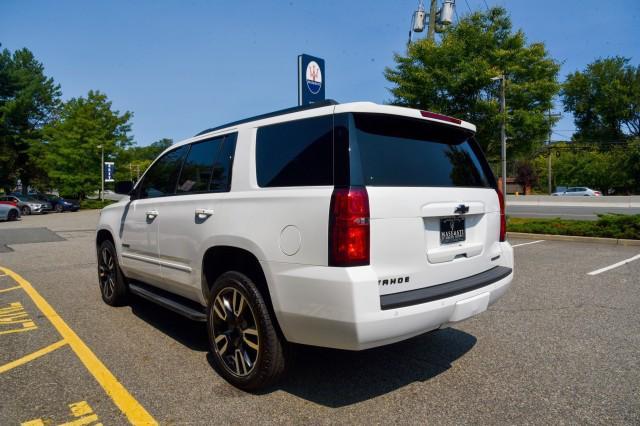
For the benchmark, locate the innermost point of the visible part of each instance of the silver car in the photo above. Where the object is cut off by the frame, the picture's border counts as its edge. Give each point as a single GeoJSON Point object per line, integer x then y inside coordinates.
{"type": "Point", "coordinates": [9, 212]}
{"type": "Point", "coordinates": [28, 205]}
{"type": "Point", "coordinates": [581, 191]}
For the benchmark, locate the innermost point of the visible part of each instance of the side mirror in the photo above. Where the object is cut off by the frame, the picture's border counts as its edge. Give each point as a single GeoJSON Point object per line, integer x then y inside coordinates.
{"type": "Point", "coordinates": [124, 187]}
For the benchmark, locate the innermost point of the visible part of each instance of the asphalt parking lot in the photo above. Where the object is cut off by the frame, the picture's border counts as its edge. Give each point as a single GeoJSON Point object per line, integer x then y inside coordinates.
{"type": "Point", "coordinates": [562, 346]}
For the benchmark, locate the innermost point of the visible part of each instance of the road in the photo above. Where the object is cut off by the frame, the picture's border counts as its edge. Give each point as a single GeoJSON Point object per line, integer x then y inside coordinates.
{"type": "Point", "coordinates": [561, 347]}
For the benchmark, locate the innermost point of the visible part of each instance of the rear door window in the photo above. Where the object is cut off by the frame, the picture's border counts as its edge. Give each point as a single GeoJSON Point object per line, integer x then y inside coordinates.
{"type": "Point", "coordinates": [221, 176]}
{"type": "Point", "coordinates": [295, 153]}
{"type": "Point", "coordinates": [402, 151]}
{"type": "Point", "coordinates": [198, 166]}
{"type": "Point", "coordinates": [161, 179]}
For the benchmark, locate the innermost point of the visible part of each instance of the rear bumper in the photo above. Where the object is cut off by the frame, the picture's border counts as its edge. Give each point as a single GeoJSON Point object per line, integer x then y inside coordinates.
{"type": "Point", "coordinates": [342, 308]}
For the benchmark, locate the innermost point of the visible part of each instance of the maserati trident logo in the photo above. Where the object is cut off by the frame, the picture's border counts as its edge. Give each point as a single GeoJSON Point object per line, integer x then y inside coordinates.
{"type": "Point", "coordinates": [461, 209]}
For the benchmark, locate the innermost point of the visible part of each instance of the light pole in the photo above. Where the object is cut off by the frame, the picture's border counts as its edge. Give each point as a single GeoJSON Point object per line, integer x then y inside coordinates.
{"type": "Point", "coordinates": [503, 131]}
{"type": "Point", "coordinates": [101, 173]}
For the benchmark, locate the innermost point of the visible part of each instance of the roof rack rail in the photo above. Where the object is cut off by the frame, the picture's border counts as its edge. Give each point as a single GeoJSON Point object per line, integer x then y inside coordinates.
{"type": "Point", "coordinates": [324, 103]}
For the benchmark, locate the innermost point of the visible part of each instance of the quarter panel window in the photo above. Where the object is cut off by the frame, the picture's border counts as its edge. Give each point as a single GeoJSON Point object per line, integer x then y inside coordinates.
{"type": "Point", "coordinates": [295, 153]}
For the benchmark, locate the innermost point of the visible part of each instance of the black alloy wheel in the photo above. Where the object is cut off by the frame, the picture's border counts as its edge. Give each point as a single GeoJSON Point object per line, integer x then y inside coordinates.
{"type": "Point", "coordinates": [25, 210]}
{"type": "Point", "coordinates": [13, 215]}
{"type": "Point", "coordinates": [247, 348]}
{"type": "Point", "coordinates": [59, 208]}
{"type": "Point", "coordinates": [235, 332]}
{"type": "Point", "coordinates": [113, 287]}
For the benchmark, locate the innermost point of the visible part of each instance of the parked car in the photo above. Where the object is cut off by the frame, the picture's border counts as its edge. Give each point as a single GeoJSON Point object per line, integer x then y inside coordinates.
{"type": "Point", "coordinates": [345, 226]}
{"type": "Point", "coordinates": [579, 191]}
{"type": "Point", "coordinates": [59, 204]}
{"type": "Point", "coordinates": [9, 211]}
{"type": "Point", "coordinates": [28, 205]}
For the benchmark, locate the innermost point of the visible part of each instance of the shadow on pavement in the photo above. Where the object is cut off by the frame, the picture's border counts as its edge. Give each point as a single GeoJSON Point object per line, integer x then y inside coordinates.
{"type": "Point", "coordinates": [331, 377]}
{"type": "Point", "coordinates": [191, 334]}
{"type": "Point", "coordinates": [336, 378]}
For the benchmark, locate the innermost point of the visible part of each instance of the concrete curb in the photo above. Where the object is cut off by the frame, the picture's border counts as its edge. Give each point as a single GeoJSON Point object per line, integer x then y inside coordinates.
{"type": "Point", "coordinates": [576, 239]}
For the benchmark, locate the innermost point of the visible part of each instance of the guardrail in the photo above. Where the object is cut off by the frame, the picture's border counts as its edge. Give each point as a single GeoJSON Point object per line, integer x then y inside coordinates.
{"type": "Point", "coordinates": [632, 201]}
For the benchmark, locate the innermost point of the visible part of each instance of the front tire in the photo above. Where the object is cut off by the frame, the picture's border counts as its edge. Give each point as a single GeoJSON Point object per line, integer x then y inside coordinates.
{"type": "Point", "coordinates": [59, 208]}
{"type": "Point", "coordinates": [113, 286]}
{"type": "Point", "coordinates": [247, 350]}
{"type": "Point", "coordinates": [26, 211]}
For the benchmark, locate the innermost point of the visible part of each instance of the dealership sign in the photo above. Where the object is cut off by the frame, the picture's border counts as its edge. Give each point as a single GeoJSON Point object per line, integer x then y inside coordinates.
{"type": "Point", "coordinates": [311, 79]}
{"type": "Point", "coordinates": [109, 170]}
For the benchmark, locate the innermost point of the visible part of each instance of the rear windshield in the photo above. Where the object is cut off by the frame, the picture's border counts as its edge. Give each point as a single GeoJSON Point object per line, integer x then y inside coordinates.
{"type": "Point", "coordinates": [398, 151]}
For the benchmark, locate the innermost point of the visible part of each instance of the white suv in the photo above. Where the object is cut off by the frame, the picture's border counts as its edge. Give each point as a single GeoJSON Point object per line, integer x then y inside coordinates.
{"type": "Point", "coordinates": [340, 225]}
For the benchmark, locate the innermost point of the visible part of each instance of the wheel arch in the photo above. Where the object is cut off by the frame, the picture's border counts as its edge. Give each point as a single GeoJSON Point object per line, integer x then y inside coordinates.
{"type": "Point", "coordinates": [222, 258]}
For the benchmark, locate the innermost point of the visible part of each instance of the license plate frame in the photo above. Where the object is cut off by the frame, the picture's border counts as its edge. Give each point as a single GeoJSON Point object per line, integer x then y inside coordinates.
{"type": "Point", "coordinates": [452, 230]}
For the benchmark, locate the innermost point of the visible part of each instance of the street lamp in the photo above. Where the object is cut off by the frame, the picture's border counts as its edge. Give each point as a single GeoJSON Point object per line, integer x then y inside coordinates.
{"type": "Point", "coordinates": [503, 132]}
{"type": "Point", "coordinates": [101, 173]}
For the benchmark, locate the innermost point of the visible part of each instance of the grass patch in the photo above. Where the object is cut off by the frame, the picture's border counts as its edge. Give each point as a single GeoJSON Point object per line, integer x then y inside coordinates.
{"type": "Point", "coordinates": [95, 204]}
{"type": "Point", "coordinates": [607, 226]}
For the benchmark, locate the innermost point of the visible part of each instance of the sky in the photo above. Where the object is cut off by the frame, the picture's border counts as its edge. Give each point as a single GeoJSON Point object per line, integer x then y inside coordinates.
{"type": "Point", "coordinates": [184, 66]}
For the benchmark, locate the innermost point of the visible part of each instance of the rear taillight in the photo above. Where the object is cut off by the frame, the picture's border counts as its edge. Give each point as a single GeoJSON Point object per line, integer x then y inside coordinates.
{"type": "Point", "coordinates": [503, 217]}
{"type": "Point", "coordinates": [349, 227]}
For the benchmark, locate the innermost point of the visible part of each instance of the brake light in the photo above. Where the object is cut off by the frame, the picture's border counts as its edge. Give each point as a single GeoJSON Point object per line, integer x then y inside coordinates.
{"type": "Point", "coordinates": [503, 217]}
{"type": "Point", "coordinates": [429, 114]}
{"type": "Point", "coordinates": [349, 227]}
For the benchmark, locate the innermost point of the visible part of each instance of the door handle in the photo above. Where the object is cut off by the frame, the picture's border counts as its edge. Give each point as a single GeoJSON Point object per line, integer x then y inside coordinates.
{"type": "Point", "coordinates": [204, 213]}
{"type": "Point", "coordinates": [151, 214]}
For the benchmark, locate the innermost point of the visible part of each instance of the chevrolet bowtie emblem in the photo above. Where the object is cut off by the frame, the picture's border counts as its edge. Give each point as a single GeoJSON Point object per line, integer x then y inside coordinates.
{"type": "Point", "coordinates": [461, 209]}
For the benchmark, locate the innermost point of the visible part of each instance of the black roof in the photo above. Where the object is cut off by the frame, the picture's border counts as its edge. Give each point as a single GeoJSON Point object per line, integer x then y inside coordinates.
{"type": "Point", "coordinates": [324, 103]}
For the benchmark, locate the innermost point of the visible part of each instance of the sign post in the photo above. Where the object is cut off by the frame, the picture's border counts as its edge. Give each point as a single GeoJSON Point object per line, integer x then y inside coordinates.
{"type": "Point", "coordinates": [311, 79]}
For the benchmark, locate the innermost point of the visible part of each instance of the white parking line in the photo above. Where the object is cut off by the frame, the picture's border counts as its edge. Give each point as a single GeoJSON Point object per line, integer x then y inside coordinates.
{"type": "Point", "coordinates": [530, 242]}
{"type": "Point", "coordinates": [615, 265]}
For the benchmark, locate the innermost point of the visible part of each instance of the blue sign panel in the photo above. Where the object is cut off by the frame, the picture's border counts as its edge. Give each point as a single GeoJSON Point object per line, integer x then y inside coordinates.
{"type": "Point", "coordinates": [311, 79]}
{"type": "Point", "coordinates": [109, 171]}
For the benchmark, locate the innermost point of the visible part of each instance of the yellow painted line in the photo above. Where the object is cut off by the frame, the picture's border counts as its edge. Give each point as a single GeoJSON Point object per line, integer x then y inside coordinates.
{"type": "Point", "coordinates": [9, 289]}
{"type": "Point", "coordinates": [37, 354]}
{"type": "Point", "coordinates": [131, 408]}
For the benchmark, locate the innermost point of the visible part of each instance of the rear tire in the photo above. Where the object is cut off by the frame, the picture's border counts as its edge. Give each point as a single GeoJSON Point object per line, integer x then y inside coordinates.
{"type": "Point", "coordinates": [12, 215]}
{"type": "Point", "coordinates": [113, 285]}
{"type": "Point", "coordinates": [247, 350]}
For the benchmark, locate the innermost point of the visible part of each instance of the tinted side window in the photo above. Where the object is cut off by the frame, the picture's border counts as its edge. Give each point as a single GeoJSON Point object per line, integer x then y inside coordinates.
{"type": "Point", "coordinates": [221, 179]}
{"type": "Point", "coordinates": [296, 153]}
{"type": "Point", "coordinates": [161, 179]}
{"type": "Point", "coordinates": [197, 169]}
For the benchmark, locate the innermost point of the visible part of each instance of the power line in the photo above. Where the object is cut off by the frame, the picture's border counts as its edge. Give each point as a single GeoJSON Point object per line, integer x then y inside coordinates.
{"type": "Point", "coordinates": [486, 5]}
{"type": "Point", "coordinates": [468, 6]}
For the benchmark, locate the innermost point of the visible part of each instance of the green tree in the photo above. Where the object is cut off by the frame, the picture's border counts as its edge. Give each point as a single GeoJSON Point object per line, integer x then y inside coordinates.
{"type": "Point", "coordinates": [605, 100]}
{"type": "Point", "coordinates": [72, 153]}
{"type": "Point", "coordinates": [28, 101]}
{"type": "Point", "coordinates": [454, 78]}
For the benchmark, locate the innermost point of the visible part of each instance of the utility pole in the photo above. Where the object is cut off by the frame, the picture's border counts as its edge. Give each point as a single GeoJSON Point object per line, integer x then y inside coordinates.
{"type": "Point", "coordinates": [550, 180]}
{"type": "Point", "coordinates": [503, 135]}
{"type": "Point", "coordinates": [431, 31]}
{"type": "Point", "coordinates": [439, 19]}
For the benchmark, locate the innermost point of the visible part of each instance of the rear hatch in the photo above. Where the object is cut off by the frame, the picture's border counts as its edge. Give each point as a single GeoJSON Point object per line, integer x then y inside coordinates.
{"type": "Point", "coordinates": [434, 209]}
